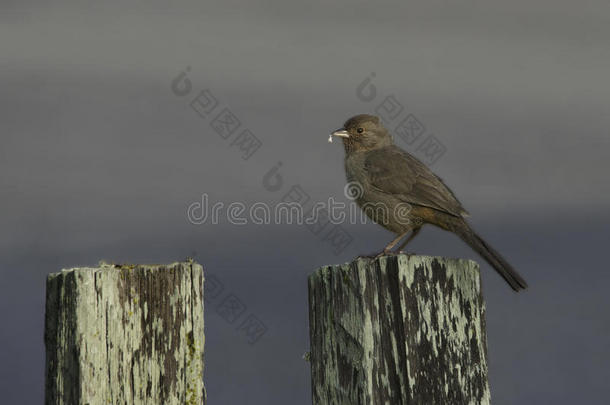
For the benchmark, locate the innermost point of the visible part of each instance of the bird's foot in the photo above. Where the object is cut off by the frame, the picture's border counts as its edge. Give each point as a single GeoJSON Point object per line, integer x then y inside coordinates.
{"type": "Point", "coordinates": [384, 252]}
{"type": "Point", "coordinates": [374, 256]}
{"type": "Point", "coordinates": [369, 257]}
{"type": "Point", "coordinates": [387, 252]}
{"type": "Point", "coordinates": [402, 252]}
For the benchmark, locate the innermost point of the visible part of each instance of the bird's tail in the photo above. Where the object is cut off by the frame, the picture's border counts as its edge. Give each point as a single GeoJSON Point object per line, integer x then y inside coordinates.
{"type": "Point", "coordinates": [465, 232]}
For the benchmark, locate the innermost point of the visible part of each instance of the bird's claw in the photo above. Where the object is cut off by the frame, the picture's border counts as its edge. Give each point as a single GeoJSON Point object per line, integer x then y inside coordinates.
{"type": "Point", "coordinates": [385, 252]}
{"type": "Point", "coordinates": [372, 256]}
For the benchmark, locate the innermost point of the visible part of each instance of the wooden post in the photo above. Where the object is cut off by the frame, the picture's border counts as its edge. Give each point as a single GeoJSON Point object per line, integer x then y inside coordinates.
{"type": "Point", "coordinates": [125, 334]}
{"type": "Point", "coordinates": [398, 330]}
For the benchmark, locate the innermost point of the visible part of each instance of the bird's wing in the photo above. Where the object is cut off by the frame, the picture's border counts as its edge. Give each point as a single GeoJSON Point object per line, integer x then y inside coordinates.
{"type": "Point", "coordinates": [393, 171]}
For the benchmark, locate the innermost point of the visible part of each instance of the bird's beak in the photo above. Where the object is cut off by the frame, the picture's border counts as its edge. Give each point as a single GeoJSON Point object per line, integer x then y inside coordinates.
{"type": "Point", "coordinates": [341, 132]}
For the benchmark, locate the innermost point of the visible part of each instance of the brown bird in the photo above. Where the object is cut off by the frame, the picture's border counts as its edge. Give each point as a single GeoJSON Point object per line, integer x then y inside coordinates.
{"type": "Point", "coordinates": [400, 193]}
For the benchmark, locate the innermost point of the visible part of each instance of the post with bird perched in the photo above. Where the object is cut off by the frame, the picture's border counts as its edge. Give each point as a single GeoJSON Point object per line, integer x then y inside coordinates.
{"type": "Point", "coordinates": [118, 334]}
{"type": "Point", "coordinates": [393, 328]}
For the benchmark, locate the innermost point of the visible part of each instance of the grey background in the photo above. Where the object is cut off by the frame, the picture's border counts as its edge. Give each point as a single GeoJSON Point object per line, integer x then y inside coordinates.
{"type": "Point", "coordinates": [100, 160]}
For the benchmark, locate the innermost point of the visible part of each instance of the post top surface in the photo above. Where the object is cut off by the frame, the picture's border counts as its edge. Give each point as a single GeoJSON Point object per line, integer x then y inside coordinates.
{"type": "Point", "coordinates": [106, 266]}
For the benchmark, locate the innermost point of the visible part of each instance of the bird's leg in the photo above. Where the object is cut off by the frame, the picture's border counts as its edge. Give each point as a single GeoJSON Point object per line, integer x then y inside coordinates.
{"type": "Point", "coordinates": [390, 245]}
{"type": "Point", "coordinates": [409, 239]}
{"type": "Point", "coordinates": [388, 248]}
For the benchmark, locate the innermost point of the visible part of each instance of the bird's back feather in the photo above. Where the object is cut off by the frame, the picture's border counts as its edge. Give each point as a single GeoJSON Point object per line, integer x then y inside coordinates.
{"type": "Point", "coordinates": [393, 171]}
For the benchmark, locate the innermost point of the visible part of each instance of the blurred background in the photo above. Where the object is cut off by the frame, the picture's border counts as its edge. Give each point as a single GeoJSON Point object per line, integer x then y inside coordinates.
{"type": "Point", "coordinates": [104, 148]}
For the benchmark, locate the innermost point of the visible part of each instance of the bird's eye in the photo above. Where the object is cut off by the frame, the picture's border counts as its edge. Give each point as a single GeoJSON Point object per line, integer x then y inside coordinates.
{"type": "Point", "coordinates": [360, 130]}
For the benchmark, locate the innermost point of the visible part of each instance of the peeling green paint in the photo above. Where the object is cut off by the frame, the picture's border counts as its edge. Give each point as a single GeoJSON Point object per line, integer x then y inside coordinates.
{"type": "Point", "coordinates": [125, 334]}
{"type": "Point", "coordinates": [398, 330]}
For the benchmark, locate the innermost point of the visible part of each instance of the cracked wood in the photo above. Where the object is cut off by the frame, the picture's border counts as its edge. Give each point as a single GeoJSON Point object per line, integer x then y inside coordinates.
{"type": "Point", "coordinates": [125, 334]}
{"type": "Point", "coordinates": [399, 330]}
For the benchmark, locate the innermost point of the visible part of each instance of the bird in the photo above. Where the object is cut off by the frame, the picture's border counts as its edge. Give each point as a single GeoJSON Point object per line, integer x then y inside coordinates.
{"type": "Point", "coordinates": [400, 193]}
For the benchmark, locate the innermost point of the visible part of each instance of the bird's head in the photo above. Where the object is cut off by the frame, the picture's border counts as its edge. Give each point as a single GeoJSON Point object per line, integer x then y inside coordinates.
{"type": "Point", "coordinates": [363, 132]}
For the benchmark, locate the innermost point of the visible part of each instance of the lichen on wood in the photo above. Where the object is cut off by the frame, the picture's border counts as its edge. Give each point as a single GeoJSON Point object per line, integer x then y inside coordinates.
{"type": "Point", "coordinates": [125, 334]}
{"type": "Point", "coordinates": [398, 330]}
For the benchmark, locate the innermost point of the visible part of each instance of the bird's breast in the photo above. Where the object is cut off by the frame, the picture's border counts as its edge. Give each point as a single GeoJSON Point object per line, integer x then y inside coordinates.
{"type": "Point", "coordinates": [380, 207]}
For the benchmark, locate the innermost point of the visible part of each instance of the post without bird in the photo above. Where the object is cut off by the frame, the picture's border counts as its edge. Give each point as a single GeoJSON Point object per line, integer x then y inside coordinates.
{"type": "Point", "coordinates": [398, 330]}
{"type": "Point", "coordinates": [118, 334]}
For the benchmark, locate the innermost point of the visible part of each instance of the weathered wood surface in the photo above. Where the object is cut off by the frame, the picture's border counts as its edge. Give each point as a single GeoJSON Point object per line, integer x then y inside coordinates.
{"type": "Point", "coordinates": [125, 335]}
{"type": "Point", "coordinates": [398, 330]}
